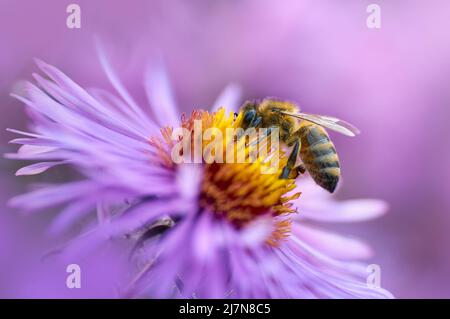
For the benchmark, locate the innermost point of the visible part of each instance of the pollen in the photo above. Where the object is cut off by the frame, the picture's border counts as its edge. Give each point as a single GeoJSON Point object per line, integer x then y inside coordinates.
{"type": "Point", "coordinates": [239, 192]}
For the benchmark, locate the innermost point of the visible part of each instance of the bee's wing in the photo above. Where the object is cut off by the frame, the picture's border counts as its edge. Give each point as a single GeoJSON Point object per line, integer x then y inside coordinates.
{"type": "Point", "coordinates": [329, 122]}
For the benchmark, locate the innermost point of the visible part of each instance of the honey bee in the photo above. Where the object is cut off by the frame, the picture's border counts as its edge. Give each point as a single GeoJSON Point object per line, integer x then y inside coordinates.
{"type": "Point", "coordinates": [306, 135]}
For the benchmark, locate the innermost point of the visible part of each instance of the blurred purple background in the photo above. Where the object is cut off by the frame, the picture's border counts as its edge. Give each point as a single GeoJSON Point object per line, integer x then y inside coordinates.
{"type": "Point", "coordinates": [393, 83]}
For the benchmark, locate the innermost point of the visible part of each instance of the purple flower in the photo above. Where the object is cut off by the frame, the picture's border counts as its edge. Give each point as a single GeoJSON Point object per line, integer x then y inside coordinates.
{"type": "Point", "coordinates": [183, 247]}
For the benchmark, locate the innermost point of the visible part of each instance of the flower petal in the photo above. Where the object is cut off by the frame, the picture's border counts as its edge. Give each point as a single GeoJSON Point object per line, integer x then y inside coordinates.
{"type": "Point", "coordinates": [72, 213]}
{"type": "Point", "coordinates": [257, 232]}
{"type": "Point", "coordinates": [228, 98]}
{"type": "Point", "coordinates": [160, 96]}
{"type": "Point", "coordinates": [38, 168]}
{"type": "Point", "coordinates": [188, 180]}
{"type": "Point", "coordinates": [332, 244]}
{"type": "Point", "coordinates": [354, 210]}
{"type": "Point", "coordinates": [53, 195]}
{"type": "Point", "coordinates": [115, 82]}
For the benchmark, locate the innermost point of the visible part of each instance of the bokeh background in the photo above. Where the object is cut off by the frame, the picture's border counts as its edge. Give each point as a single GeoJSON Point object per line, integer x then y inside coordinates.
{"type": "Point", "coordinates": [393, 83]}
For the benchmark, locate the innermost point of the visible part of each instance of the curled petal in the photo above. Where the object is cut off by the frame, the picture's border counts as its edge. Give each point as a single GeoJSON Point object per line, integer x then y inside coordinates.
{"type": "Point", "coordinates": [38, 168]}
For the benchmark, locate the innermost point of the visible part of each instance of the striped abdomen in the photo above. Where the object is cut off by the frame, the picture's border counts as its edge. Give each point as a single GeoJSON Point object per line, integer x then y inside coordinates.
{"type": "Point", "coordinates": [319, 156]}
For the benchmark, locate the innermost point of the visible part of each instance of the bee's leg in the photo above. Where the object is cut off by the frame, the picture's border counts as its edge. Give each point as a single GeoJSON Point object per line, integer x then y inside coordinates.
{"type": "Point", "coordinates": [291, 161]}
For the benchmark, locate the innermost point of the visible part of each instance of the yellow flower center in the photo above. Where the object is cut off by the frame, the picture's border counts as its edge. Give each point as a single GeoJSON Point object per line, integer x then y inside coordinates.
{"type": "Point", "coordinates": [238, 192]}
